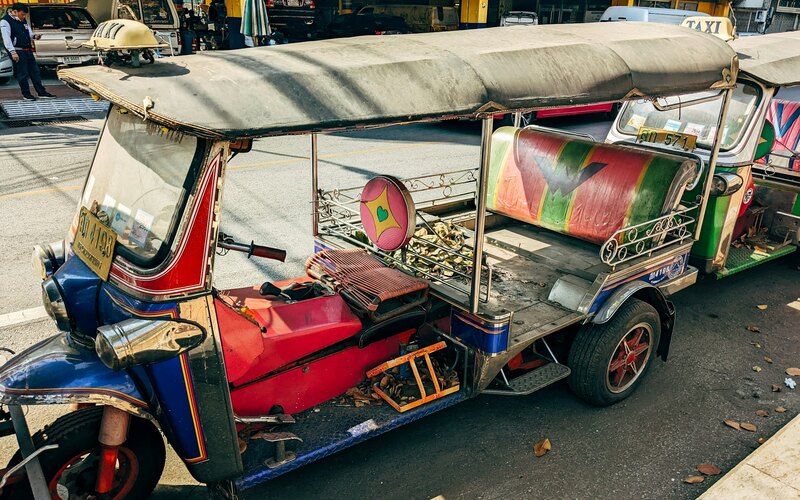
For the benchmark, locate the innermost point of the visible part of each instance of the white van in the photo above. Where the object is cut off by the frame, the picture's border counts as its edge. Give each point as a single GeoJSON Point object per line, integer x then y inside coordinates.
{"type": "Point", "coordinates": [648, 15]}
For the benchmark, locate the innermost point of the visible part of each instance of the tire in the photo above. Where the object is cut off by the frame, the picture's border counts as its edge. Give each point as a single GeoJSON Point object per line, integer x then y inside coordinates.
{"type": "Point", "coordinates": [604, 370]}
{"type": "Point", "coordinates": [140, 463]}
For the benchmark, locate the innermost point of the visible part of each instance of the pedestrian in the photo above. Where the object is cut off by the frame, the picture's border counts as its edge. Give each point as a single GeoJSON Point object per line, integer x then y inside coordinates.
{"type": "Point", "coordinates": [18, 42]}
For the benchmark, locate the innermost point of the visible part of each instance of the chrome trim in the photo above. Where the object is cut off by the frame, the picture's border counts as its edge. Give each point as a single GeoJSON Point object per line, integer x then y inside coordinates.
{"type": "Point", "coordinates": [54, 304]}
{"type": "Point", "coordinates": [73, 398]}
{"type": "Point", "coordinates": [480, 214]}
{"type": "Point", "coordinates": [47, 258]}
{"type": "Point", "coordinates": [685, 280]}
{"type": "Point", "coordinates": [142, 341]}
{"type": "Point", "coordinates": [10, 472]}
{"type": "Point", "coordinates": [733, 183]}
{"type": "Point", "coordinates": [619, 297]}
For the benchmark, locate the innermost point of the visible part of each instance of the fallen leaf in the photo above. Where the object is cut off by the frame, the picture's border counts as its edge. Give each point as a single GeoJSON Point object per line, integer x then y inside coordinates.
{"type": "Point", "coordinates": [760, 440]}
{"type": "Point", "coordinates": [780, 409]}
{"type": "Point", "coordinates": [793, 372]}
{"type": "Point", "coordinates": [768, 359]}
{"type": "Point", "coordinates": [762, 306]}
{"type": "Point", "coordinates": [708, 469]}
{"type": "Point", "coordinates": [748, 426]}
{"type": "Point", "coordinates": [762, 413]}
{"type": "Point", "coordinates": [694, 479]}
{"type": "Point", "coordinates": [776, 388]}
{"type": "Point", "coordinates": [542, 447]}
{"type": "Point", "coordinates": [756, 344]}
{"type": "Point", "coordinates": [754, 328]}
{"type": "Point", "coordinates": [732, 424]}
{"type": "Point", "coordinates": [756, 368]}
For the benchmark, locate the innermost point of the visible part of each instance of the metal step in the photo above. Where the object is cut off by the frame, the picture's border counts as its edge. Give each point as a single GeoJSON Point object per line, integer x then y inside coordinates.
{"type": "Point", "coordinates": [50, 108]}
{"type": "Point", "coordinates": [743, 258]}
{"type": "Point", "coordinates": [533, 380]}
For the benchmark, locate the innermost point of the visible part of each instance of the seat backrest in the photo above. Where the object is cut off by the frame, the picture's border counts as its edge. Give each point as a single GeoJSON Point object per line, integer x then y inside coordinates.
{"type": "Point", "coordinates": [578, 187]}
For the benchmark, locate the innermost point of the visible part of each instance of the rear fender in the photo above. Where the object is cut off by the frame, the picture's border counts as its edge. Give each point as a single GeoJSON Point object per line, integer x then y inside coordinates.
{"type": "Point", "coordinates": [59, 371]}
{"type": "Point", "coordinates": [648, 293]}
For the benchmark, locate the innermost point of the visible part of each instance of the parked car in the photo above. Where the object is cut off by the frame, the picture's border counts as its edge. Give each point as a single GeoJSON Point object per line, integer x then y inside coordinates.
{"type": "Point", "coordinates": [159, 15]}
{"type": "Point", "coordinates": [6, 67]}
{"type": "Point", "coordinates": [62, 28]}
{"type": "Point", "coordinates": [648, 14]}
{"type": "Point", "coordinates": [519, 18]}
{"type": "Point", "coordinates": [347, 25]}
{"type": "Point", "coordinates": [420, 18]}
{"type": "Point", "coordinates": [296, 19]}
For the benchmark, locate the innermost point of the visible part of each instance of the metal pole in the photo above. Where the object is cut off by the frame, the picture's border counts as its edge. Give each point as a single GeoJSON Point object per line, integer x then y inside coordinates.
{"type": "Point", "coordinates": [314, 184]}
{"type": "Point", "coordinates": [480, 212]}
{"type": "Point", "coordinates": [26, 448]}
{"type": "Point", "coordinates": [712, 160]}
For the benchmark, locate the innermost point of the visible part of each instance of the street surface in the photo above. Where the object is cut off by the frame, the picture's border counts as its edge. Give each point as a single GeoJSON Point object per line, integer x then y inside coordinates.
{"type": "Point", "coordinates": [483, 448]}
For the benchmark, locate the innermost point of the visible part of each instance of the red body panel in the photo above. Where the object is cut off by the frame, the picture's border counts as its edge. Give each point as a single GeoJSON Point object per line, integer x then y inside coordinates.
{"type": "Point", "coordinates": [294, 330]}
{"type": "Point", "coordinates": [605, 107]}
{"type": "Point", "coordinates": [308, 385]}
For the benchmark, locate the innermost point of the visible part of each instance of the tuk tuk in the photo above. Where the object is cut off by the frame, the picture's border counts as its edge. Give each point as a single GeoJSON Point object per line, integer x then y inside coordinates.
{"type": "Point", "coordinates": [552, 258]}
{"type": "Point", "coordinates": [754, 214]}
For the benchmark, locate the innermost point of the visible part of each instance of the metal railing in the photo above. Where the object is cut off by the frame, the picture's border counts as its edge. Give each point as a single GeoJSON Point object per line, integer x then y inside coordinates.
{"type": "Point", "coordinates": [645, 238]}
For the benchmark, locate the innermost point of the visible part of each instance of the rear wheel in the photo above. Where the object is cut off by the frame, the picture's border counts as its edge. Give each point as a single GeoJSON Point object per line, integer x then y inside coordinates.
{"type": "Point", "coordinates": [609, 361]}
{"type": "Point", "coordinates": [71, 469]}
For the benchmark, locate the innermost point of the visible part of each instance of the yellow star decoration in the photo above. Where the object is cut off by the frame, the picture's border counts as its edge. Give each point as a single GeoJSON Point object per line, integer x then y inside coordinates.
{"type": "Point", "coordinates": [381, 213]}
{"type": "Point", "coordinates": [761, 140]}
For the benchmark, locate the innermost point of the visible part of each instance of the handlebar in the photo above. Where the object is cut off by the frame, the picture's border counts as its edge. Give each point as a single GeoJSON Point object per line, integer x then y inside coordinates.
{"type": "Point", "coordinates": [228, 243]}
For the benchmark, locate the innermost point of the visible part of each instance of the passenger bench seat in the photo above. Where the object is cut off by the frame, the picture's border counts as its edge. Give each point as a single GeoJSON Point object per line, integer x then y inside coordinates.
{"type": "Point", "coordinates": [578, 187]}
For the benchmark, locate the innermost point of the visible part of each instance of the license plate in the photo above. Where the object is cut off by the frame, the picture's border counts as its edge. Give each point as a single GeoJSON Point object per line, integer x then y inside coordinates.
{"type": "Point", "coordinates": [71, 60]}
{"type": "Point", "coordinates": [686, 142]}
{"type": "Point", "coordinates": [94, 243]}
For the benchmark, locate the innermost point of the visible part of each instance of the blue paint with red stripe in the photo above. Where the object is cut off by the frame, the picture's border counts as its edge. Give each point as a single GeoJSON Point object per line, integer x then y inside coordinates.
{"type": "Point", "coordinates": [485, 337]}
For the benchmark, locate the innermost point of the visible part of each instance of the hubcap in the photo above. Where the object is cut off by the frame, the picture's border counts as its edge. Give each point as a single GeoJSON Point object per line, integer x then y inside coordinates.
{"type": "Point", "coordinates": [77, 477]}
{"type": "Point", "coordinates": [629, 358]}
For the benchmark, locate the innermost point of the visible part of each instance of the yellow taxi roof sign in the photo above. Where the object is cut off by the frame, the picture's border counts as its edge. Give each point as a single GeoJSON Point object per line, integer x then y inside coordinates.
{"type": "Point", "coordinates": [720, 27]}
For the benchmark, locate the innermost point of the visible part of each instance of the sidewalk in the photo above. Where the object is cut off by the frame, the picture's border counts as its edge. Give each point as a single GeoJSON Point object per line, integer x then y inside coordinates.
{"type": "Point", "coordinates": [772, 471]}
{"type": "Point", "coordinates": [10, 91]}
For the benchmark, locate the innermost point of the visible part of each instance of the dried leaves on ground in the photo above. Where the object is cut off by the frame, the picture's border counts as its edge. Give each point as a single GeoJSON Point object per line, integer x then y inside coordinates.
{"type": "Point", "coordinates": [748, 426]}
{"type": "Point", "coordinates": [793, 372]}
{"type": "Point", "coordinates": [754, 328]}
{"type": "Point", "coordinates": [776, 388]}
{"type": "Point", "coordinates": [732, 424]}
{"type": "Point", "coordinates": [762, 413]}
{"type": "Point", "coordinates": [780, 409]}
{"type": "Point", "coordinates": [756, 368]}
{"type": "Point", "coordinates": [540, 448]}
{"type": "Point", "coordinates": [762, 306]}
{"type": "Point", "coordinates": [694, 479]}
{"type": "Point", "coordinates": [709, 469]}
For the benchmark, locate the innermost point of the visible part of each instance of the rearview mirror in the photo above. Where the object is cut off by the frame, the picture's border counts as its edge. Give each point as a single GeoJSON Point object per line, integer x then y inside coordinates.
{"type": "Point", "coordinates": [241, 146]}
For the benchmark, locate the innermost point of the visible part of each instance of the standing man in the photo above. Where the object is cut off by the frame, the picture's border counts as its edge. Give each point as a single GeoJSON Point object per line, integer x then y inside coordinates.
{"type": "Point", "coordinates": [18, 42]}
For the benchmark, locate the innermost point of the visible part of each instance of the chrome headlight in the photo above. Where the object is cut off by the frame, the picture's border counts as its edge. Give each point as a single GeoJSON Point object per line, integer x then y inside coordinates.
{"type": "Point", "coordinates": [143, 341]}
{"type": "Point", "coordinates": [54, 304]}
{"type": "Point", "coordinates": [725, 184]}
{"type": "Point", "coordinates": [46, 259]}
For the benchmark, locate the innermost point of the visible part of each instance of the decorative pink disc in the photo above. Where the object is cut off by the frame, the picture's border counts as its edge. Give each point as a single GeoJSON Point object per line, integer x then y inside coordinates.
{"type": "Point", "coordinates": [387, 212]}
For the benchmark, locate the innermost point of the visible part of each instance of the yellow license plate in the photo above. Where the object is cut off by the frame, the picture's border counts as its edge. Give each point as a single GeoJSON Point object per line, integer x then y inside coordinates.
{"type": "Point", "coordinates": [94, 243]}
{"type": "Point", "coordinates": [686, 142]}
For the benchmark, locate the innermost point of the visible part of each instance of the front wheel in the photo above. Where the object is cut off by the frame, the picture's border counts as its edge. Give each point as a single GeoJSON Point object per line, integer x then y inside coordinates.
{"type": "Point", "coordinates": [71, 469]}
{"type": "Point", "coordinates": [608, 361]}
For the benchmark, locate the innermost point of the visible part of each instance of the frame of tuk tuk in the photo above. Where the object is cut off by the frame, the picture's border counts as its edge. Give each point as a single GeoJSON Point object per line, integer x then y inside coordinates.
{"type": "Point", "coordinates": [663, 241]}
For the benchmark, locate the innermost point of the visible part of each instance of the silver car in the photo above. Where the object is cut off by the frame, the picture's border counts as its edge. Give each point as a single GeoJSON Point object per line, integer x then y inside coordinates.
{"type": "Point", "coordinates": [6, 67]}
{"type": "Point", "coordinates": [61, 29]}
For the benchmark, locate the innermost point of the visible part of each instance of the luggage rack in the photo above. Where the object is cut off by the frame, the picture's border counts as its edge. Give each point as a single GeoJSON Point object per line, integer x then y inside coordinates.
{"type": "Point", "coordinates": [432, 258]}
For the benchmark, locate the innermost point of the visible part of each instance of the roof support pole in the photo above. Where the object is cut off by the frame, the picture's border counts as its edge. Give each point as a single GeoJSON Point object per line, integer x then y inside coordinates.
{"type": "Point", "coordinates": [712, 159]}
{"type": "Point", "coordinates": [314, 185]}
{"type": "Point", "coordinates": [480, 211]}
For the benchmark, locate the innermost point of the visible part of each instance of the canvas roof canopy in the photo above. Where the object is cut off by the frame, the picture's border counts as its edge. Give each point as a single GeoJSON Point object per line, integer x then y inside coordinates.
{"type": "Point", "coordinates": [364, 81]}
{"type": "Point", "coordinates": [774, 59]}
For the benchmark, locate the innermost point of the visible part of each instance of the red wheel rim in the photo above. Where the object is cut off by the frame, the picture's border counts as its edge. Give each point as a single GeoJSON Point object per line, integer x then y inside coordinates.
{"type": "Point", "coordinates": [84, 480]}
{"type": "Point", "coordinates": [629, 358]}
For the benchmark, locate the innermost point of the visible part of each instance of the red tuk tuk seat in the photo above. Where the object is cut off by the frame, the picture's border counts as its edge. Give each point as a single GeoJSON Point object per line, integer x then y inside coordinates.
{"type": "Point", "coordinates": [578, 187]}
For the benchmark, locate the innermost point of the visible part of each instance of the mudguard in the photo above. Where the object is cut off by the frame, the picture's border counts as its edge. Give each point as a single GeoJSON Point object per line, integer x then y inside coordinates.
{"type": "Point", "coordinates": [58, 371]}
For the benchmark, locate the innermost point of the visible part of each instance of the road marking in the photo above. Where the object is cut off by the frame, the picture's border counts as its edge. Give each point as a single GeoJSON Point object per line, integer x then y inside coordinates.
{"type": "Point", "coordinates": [34, 192]}
{"type": "Point", "coordinates": [24, 316]}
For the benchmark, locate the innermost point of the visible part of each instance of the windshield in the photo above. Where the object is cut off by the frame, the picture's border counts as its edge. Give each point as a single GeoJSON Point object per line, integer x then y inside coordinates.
{"type": "Point", "coordinates": [138, 183]}
{"type": "Point", "coordinates": [152, 12]}
{"type": "Point", "coordinates": [698, 118]}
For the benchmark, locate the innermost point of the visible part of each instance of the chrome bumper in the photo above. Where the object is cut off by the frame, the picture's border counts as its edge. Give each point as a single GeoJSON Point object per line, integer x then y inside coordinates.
{"type": "Point", "coordinates": [686, 279]}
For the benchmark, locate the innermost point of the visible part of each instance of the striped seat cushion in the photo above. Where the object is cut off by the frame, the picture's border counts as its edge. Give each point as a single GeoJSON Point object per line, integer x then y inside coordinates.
{"type": "Point", "coordinates": [578, 187]}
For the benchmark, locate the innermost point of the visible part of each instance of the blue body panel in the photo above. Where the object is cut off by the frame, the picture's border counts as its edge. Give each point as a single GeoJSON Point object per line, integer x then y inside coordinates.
{"type": "Point", "coordinates": [654, 275]}
{"type": "Point", "coordinates": [79, 287]}
{"type": "Point", "coordinates": [485, 337]}
{"type": "Point", "coordinates": [322, 440]}
{"type": "Point", "coordinates": [57, 367]}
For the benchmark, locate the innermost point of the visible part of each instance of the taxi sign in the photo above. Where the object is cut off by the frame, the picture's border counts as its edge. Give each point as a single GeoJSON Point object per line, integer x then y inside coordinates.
{"type": "Point", "coordinates": [721, 27]}
{"type": "Point", "coordinates": [94, 243]}
{"type": "Point", "coordinates": [686, 142]}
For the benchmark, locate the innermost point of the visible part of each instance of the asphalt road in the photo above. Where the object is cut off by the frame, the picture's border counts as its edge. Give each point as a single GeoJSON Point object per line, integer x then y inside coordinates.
{"type": "Point", "coordinates": [482, 448]}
